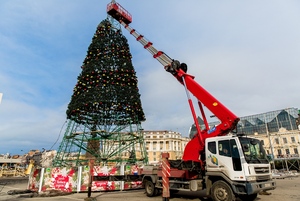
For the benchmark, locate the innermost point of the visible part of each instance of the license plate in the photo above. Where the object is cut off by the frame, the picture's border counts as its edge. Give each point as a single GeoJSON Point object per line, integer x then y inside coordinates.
{"type": "Point", "coordinates": [267, 185]}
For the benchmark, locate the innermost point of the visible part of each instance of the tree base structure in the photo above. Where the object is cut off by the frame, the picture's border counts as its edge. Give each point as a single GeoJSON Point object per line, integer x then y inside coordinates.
{"type": "Point", "coordinates": [107, 145]}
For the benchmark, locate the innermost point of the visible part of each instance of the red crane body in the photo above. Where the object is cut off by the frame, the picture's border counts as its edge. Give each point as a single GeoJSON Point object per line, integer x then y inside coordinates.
{"type": "Point", "coordinates": [228, 120]}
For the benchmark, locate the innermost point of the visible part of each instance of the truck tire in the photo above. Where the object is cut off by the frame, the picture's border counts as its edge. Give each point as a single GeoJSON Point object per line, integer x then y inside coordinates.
{"type": "Point", "coordinates": [221, 191]}
{"type": "Point", "coordinates": [150, 189]}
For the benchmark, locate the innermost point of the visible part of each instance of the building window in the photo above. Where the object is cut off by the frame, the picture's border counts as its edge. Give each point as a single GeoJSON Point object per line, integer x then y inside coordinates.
{"type": "Point", "coordinates": [277, 141]}
{"type": "Point", "coordinates": [161, 145]}
{"type": "Point", "coordinates": [279, 152]}
{"type": "Point", "coordinates": [293, 139]}
{"type": "Point", "coordinates": [295, 150]}
{"type": "Point", "coordinates": [284, 140]}
{"type": "Point", "coordinates": [287, 151]}
{"type": "Point", "coordinates": [154, 145]}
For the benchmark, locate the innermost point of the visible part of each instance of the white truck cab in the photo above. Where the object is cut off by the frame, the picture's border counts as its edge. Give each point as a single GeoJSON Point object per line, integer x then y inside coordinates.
{"type": "Point", "coordinates": [241, 161]}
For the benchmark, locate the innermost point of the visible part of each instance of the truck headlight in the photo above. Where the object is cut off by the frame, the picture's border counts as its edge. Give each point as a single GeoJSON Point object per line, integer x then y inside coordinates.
{"type": "Point", "coordinates": [251, 178]}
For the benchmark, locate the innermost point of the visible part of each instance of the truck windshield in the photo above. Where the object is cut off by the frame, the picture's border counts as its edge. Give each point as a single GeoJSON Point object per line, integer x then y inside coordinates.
{"type": "Point", "coordinates": [253, 150]}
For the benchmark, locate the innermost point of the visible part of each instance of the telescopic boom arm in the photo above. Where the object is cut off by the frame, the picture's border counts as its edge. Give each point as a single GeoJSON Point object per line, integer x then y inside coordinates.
{"type": "Point", "coordinates": [228, 120]}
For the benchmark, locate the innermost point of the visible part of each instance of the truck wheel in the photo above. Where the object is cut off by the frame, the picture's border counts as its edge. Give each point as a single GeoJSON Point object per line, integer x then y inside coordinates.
{"type": "Point", "coordinates": [150, 189]}
{"type": "Point", "coordinates": [221, 191]}
{"type": "Point", "coordinates": [248, 197]}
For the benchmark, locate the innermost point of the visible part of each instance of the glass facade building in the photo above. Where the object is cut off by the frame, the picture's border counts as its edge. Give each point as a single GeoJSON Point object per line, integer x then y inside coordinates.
{"type": "Point", "coordinates": [269, 122]}
{"type": "Point", "coordinates": [261, 123]}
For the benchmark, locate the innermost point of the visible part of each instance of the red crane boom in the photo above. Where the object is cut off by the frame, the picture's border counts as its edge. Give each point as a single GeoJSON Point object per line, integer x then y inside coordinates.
{"type": "Point", "coordinates": [228, 120]}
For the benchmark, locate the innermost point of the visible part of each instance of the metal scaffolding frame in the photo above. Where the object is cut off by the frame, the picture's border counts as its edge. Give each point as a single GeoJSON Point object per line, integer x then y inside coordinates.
{"type": "Point", "coordinates": [117, 144]}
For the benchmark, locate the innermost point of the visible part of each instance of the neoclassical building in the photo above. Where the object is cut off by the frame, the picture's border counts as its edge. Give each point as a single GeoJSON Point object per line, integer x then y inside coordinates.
{"type": "Point", "coordinates": [161, 141]}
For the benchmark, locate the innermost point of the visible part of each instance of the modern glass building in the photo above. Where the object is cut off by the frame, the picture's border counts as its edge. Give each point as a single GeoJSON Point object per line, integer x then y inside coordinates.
{"type": "Point", "coordinates": [269, 122]}
{"type": "Point", "coordinates": [262, 123]}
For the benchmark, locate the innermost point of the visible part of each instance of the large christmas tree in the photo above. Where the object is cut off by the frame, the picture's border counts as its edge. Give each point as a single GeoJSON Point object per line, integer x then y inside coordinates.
{"type": "Point", "coordinates": [106, 91]}
{"type": "Point", "coordinates": [105, 111]}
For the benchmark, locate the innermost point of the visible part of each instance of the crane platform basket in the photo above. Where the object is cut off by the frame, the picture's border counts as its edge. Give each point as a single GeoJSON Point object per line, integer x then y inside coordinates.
{"type": "Point", "coordinates": [118, 12]}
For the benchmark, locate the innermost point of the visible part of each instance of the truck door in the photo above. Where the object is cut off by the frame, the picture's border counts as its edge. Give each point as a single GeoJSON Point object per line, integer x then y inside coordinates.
{"type": "Point", "coordinates": [224, 158]}
{"type": "Point", "coordinates": [228, 151]}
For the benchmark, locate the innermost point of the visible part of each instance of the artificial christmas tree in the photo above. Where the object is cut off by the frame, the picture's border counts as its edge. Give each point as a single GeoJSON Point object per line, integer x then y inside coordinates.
{"type": "Point", "coordinates": [107, 86]}
{"type": "Point", "coordinates": [105, 111]}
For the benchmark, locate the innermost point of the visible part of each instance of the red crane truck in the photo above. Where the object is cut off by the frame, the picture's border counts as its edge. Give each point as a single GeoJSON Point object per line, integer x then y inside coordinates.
{"type": "Point", "coordinates": [226, 166]}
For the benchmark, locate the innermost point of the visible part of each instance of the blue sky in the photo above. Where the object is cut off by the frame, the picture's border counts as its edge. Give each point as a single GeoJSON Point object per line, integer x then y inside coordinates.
{"type": "Point", "coordinates": [245, 53]}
